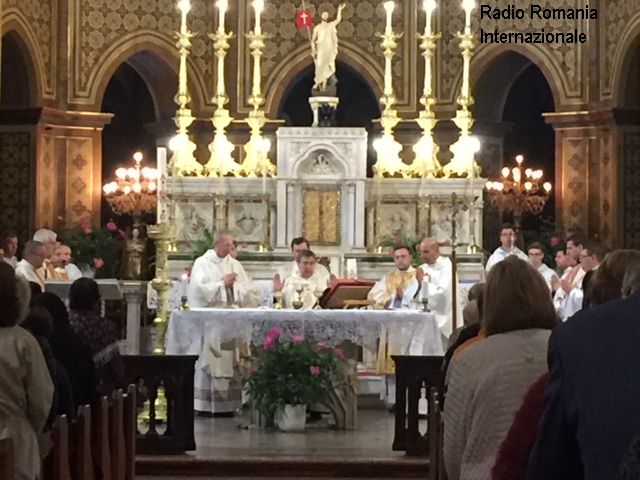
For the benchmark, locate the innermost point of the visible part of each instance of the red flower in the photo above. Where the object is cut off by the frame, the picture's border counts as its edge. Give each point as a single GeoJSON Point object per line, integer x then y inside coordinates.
{"type": "Point", "coordinates": [315, 370]}
{"type": "Point", "coordinates": [297, 339]}
{"type": "Point", "coordinates": [339, 353]}
{"type": "Point", "coordinates": [252, 370]}
{"type": "Point", "coordinates": [87, 230]}
{"type": "Point", "coordinates": [121, 233]}
{"type": "Point", "coordinates": [83, 222]}
{"type": "Point", "coordinates": [98, 262]}
{"type": "Point", "coordinates": [554, 241]}
{"type": "Point", "coordinates": [111, 226]}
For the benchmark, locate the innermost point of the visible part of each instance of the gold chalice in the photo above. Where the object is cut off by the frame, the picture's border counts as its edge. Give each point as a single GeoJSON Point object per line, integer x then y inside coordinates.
{"type": "Point", "coordinates": [278, 296]}
{"type": "Point", "coordinates": [318, 295]}
{"type": "Point", "coordinates": [297, 304]}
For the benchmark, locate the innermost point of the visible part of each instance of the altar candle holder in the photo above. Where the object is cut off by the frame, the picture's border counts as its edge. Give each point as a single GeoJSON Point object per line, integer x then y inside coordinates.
{"type": "Point", "coordinates": [425, 305]}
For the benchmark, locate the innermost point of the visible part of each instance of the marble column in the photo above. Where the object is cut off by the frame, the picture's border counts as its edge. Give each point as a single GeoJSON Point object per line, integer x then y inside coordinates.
{"type": "Point", "coordinates": [134, 293]}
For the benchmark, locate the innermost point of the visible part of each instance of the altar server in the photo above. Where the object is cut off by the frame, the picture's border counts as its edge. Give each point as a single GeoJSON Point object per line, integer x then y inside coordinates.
{"type": "Point", "coordinates": [217, 280]}
{"type": "Point", "coordinates": [309, 278]}
{"type": "Point", "coordinates": [389, 290]}
{"type": "Point", "coordinates": [507, 247]}
{"type": "Point", "coordinates": [433, 280]}
{"type": "Point", "coordinates": [536, 255]}
{"type": "Point", "coordinates": [299, 244]}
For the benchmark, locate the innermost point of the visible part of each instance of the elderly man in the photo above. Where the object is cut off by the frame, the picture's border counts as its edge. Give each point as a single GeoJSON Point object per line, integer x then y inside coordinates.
{"type": "Point", "coordinates": [389, 290]}
{"type": "Point", "coordinates": [507, 247]}
{"type": "Point", "coordinates": [298, 245]}
{"type": "Point", "coordinates": [433, 279]}
{"type": "Point", "coordinates": [30, 267]}
{"type": "Point", "coordinates": [218, 280]}
{"type": "Point", "coordinates": [309, 278]}
{"type": "Point", "coordinates": [9, 244]}
{"type": "Point", "coordinates": [536, 257]}
{"type": "Point", "coordinates": [49, 240]}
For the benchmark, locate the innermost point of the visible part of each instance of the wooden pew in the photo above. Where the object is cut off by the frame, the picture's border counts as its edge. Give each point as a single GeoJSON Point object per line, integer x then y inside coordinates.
{"type": "Point", "coordinates": [130, 419]}
{"type": "Point", "coordinates": [80, 457]}
{"type": "Point", "coordinates": [100, 437]}
{"type": "Point", "coordinates": [7, 459]}
{"type": "Point", "coordinates": [116, 436]}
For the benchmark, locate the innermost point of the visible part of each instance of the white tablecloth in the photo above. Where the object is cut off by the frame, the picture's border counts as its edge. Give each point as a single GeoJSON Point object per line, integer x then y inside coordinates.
{"type": "Point", "coordinates": [416, 332]}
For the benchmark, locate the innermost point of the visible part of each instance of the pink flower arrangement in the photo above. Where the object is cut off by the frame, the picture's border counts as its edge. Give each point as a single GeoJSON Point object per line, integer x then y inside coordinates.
{"type": "Point", "coordinates": [297, 339]}
{"type": "Point", "coordinates": [321, 345]}
{"type": "Point", "coordinates": [315, 370]}
{"type": "Point", "coordinates": [98, 262]}
{"type": "Point", "coordinates": [554, 241]}
{"type": "Point", "coordinates": [339, 353]}
{"type": "Point", "coordinates": [271, 338]}
{"type": "Point", "coordinates": [252, 370]}
{"type": "Point", "coordinates": [111, 226]}
{"type": "Point", "coordinates": [87, 230]}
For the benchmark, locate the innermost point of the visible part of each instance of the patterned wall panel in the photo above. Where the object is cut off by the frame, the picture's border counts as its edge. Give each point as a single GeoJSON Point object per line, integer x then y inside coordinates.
{"type": "Point", "coordinates": [607, 189]}
{"type": "Point", "coordinates": [80, 177]}
{"type": "Point", "coordinates": [39, 19]}
{"type": "Point", "coordinates": [575, 180]}
{"type": "Point", "coordinates": [616, 19]}
{"type": "Point", "coordinates": [101, 26]}
{"type": "Point", "coordinates": [16, 190]}
{"type": "Point", "coordinates": [631, 189]}
{"type": "Point", "coordinates": [357, 37]}
{"type": "Point", "coordinates": [46, 181]}
{"type": "Point", "coordinates": [565, 60]}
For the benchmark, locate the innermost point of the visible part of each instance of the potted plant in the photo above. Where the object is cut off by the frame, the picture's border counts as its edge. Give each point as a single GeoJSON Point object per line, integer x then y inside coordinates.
{"type": "Point", "coordinates": [288, 375]}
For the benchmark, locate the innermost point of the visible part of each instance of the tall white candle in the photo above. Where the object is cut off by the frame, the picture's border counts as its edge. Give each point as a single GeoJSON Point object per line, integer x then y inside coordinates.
{"type": "Point", "coordinates": [468, 6]}
{"type": "Point", "coordinates": [424, 291]}
{"type": "Point", "coordinates": [222, 6]}
{"type": "Point", "coordinates": [389, 6]}
{"type": "Point", "coordinates": [429, 7]}
{"type": "Point", "coordinates": [184, 7]}
{"type": "Point", "coordinates": [258, 5]}
{"type": "Point", "coordinates": [184, 284]}
{"type": "Point", "coordinates": [161, 154]}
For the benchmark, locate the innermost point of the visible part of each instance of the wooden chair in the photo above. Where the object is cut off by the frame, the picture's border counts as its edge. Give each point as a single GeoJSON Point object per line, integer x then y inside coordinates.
{"type": "Point", "coordinates": [100, 437]}
{"type": "Point", "coordinates": [80, 457]}
{"type": "Point", "coordinates": [130, 427]}
{"type": "Point", "coordinates": [116, 436]}
{"type": "Point", "coordinates": [7, 459]}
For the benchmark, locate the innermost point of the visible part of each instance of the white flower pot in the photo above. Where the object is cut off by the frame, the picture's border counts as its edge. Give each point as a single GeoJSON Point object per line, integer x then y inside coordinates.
{"type": "Point", "coordinates": [292, 418]}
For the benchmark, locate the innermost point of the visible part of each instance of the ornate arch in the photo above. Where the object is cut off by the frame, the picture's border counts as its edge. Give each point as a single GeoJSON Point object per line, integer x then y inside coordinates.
{"type": "Point", "coordinates": [549, 67]}
{"type": "Point", "coordinates": [161, 47]}
{"type": "Point", "coordinates": [13, 23]}
{"type": "Point", "coordinates": [293, 63]}
{"type": "Point", "coordinates": [621, 59]}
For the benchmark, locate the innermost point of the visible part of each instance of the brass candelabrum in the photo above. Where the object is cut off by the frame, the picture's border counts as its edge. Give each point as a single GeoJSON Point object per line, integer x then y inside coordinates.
{"type": "Point", "coordinates": [134, 190]}
{"type": "Point", "coordinates": [164, 234]}
{"type": "Point", "coordinates": [519, 191]}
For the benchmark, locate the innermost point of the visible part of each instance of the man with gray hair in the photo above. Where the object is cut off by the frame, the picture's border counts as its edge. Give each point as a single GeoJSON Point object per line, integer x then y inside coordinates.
{"type": "Point", "coordinates": [30, 266]}
{"type": "Point", "coordinates": [49, 240]}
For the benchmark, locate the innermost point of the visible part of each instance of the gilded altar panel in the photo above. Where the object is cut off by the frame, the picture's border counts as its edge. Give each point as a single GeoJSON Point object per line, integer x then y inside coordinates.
{"type": "Point", "coordinates": [39, 21]}
{"type": "Point", "coordinates": [46, 181]}
{"type": "Point", "coordinates": [16, 189]}
{"type": "Point", "coordinates": [80, 178]}
{"type": "Point", "coordinates": [321, 216]}
{"type": "Point", "coordinates": [574, 180]}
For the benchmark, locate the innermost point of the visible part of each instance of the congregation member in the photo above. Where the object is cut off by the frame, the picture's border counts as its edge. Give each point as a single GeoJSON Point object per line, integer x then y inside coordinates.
{"type": "Point", "coordinates": [298, 244]}
{"type": "Point", "coordinates": [69, 349]}
{"type": "Point", "coordinates": [217, 280]}
{"type": "Point", "coordinates": [389, 290]}
{"type": "Point", "coordinates": [536, 257]}
{"type": "Point", "coordinates": [591, 411]}
{"type": "Point", "coordinates": [507, 247]}
{"type": "Point", "coordinates": [489, 379]}
{"type": "Point", "coordinates": [97, 333]}
{"type": "Point", "coordinates": [26, 388]}
{"type": "Point", "coordinates": [513, 456]}
{"type": "Point", "coordinates": [49, 240]}
{"type": "Point", "coordinates": [432, 278]}
{"type": "Point", "coordinates": [308, 278]}
{"type": "Point", "coordinates": [9, 246]}
{"type": "Point", "coordinates": [30, 267]}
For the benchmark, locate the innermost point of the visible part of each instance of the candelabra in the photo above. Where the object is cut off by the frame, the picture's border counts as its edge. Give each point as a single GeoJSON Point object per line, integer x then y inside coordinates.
{"type": "Point", "coordinates": [183, 148]}
{"type": "Point", "coordinates": [257, 149]}
{"type": "Point", "coordinates": [519, 195]}
{"type": "Point", "coordinates": [426, 164]}
{"type": "Point", "coordinates": [464, 150]}
{"type": "Point", "coordinates": [134, 191]}
{"type": "Point", "coordinates": [387, 148]}
{"type": "Point", "coordinates": [221, 161]}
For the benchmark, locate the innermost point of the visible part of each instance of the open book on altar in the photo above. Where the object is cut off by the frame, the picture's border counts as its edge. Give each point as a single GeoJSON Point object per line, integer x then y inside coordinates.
{"type": "Point", "coordinates": [346, 293]}
{"type": "Point", "coordinates": [109, 288]}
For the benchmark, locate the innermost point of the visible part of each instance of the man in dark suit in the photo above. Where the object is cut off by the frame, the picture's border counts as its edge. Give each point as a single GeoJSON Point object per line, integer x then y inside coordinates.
{"type": "Point", "coordinates": [592, 399]}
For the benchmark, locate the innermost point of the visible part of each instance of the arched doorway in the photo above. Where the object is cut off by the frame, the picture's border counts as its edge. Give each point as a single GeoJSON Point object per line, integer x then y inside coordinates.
{"type": "Point", "coordinates": [17, 151]}
{"type": "Point", "coordinates": [629, 101]}
{"type": "Point", "coordinates": [136, 96]}
{"type": "Point", "coordinates": [358, 105]}
{"type": "Point", "coordinates": [511, 96]}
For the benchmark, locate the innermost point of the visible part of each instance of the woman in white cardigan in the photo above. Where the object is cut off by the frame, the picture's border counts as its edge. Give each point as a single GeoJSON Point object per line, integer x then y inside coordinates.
{"type": "Point", "coordinates": [489, 379]}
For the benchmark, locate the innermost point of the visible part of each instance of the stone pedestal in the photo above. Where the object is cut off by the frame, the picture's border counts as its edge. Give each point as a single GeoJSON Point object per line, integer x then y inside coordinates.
{"type": "Point", "coordinates": [134, 293]}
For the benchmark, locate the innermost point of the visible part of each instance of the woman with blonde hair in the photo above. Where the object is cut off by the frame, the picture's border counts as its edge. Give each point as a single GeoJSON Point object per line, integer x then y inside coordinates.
{"type": "Point", "coordinates": [26, 389]}
{"type": "Point", "coordinates": [490, 378]}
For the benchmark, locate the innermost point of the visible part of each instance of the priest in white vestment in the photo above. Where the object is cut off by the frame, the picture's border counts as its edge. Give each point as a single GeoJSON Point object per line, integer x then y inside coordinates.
{"type": "Point", "coordinates": [298, 244]}
{"type": "Point", "coordinates": [507, 247]}
{"type": "Point", "coordinates": [389, 290]}
{"type": "Point", "coordinates": [308, 278]}
{"type": "Point", "coordinates": [30, 267]}
{"type": "Point", "coordinates": [433, 279]}
{"type": "Point", "coordinates": [536, 257]}
{"type": "Point", "coordinates": [49, 240]}
{"type": "Point", "coordinates": [217, 280]}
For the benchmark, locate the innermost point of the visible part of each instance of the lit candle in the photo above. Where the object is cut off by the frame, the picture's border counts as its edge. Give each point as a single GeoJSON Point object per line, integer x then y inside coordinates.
{"type": "Point", "coordinates": [429, 6]}
{"type": "Point", "coordinates": [184, 7]}
{"type": "Point", "coordinates": [162, 185]}
{"type": "Point", "coordinates": [424, 291]}
{"type": "Point", "coordinates": [258, 6]}
{"type": "Point", "coordinates": [468, 6]}
{"type": "Point", "coordinates": [222, 6]}
{"type": "Point", "coordinates": [389, 6]}
{"type": "Point", "coordinates": [184, 284]}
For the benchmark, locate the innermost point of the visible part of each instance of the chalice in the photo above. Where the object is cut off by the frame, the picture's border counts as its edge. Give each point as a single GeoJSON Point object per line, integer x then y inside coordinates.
{"type": "Point", "coordinates": [297, 304]}
{"type": "Point", "coordinates": [425, 304]}
{"type": "Point", "coordinates": [318, 295]}
{"type": "Point", "coordinates": [278, 296]}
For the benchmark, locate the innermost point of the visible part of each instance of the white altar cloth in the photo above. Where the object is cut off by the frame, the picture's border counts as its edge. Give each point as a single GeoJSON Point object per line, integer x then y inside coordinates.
{"type": "Point", "coordinates": [416, 333]}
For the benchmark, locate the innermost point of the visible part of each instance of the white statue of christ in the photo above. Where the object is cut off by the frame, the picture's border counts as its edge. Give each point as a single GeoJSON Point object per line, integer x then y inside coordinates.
{"type": "Point", "coordinates": [324, 49]}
